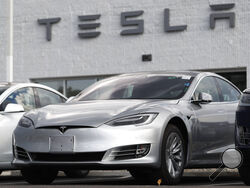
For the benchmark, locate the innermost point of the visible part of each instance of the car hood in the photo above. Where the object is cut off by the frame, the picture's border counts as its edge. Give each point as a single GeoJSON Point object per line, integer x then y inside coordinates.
{"type": "Point", "coordinates": [89, 113]}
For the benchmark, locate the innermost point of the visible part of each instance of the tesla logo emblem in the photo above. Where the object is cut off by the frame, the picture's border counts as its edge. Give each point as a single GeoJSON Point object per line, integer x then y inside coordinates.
{"type": "Point", "coordinates": [62, 129]}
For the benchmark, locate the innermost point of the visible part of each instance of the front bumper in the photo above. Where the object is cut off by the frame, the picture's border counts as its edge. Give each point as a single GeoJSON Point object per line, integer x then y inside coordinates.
{"type": "Point", "coordinates": [246, 154]}
{"type": "Point", "coordinates": [87, 165]}
{"type": "Point", "coordinates": [89, 143]}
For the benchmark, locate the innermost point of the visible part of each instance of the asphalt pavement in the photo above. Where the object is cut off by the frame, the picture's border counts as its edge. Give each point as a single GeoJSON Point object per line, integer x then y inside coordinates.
{"type": "Point", "coordinates": [122, 179]}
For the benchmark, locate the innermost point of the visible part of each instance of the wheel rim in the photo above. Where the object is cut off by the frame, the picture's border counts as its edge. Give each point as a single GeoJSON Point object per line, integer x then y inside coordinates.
{"type": "Point", "coordinates": [174, 155]}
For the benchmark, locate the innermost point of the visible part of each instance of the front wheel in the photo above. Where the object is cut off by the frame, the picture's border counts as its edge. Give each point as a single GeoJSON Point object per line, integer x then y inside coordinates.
{"type": "Point", "coordinates": [39, 175]}
{"type": "Point", "coordinates": [173, 155]}
{"type": "Point", "coordinates": [244, 172]}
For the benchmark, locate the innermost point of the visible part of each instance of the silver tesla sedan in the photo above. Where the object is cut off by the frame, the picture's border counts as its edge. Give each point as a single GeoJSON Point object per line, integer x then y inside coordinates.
{"type": "Point", "coordinates": [153, 124]}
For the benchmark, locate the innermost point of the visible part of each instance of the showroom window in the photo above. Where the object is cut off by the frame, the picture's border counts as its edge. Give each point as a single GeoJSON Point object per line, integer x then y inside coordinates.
{"type": "Point", "coordinates": [76, 86]}
{"type": "Point", "coordinates": [55, 84]}
{"type": "Point", "coordinates": [237, 78]}
{"type": "Point", "coordinates": [70, 86]}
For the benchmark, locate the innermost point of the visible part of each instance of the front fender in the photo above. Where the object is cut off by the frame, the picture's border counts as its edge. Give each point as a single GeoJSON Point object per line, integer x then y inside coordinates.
{"type": "Point", "coordinates": [186, 122]}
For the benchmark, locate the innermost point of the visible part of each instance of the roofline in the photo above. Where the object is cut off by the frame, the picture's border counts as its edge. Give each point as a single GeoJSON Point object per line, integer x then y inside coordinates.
{"type": "Point", "coordinates": [185, 72]}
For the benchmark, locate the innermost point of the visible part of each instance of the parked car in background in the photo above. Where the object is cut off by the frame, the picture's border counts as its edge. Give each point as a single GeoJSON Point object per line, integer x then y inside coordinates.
{"type": "Point", "coordinates": [242, 134]}
{"type": "Point", "coordinates": [15, 100]}
{"type": "Point", "coordinates": [153, 124]}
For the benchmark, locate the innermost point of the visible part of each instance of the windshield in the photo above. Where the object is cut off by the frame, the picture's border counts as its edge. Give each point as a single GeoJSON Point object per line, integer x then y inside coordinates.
{"type": "Point", "coordinates": [150, 86]}
{"type": "Point", "coordinates": [3, 89]}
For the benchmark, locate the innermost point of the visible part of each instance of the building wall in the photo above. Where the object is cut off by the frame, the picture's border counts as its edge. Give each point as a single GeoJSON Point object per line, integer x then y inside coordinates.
{"type": "Point", "coordinates": [3, 38]}
{"type": "Point", "coordinates": [199, 47]}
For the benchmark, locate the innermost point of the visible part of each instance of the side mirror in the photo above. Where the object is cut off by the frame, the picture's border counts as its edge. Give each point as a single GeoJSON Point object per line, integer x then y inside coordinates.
{"type": "Point", "coordinates": [203, 98]}
{"type": "Point", "coordinates": [70, 99]}
{"type": "Point", "coordinates": [11, 108]}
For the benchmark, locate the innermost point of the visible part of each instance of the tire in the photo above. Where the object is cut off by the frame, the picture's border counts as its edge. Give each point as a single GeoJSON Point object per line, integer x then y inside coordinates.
{"type": "Point", "coordinates": [244, 172]}
{"type": "Point", "coordinates": [76, 173]}
{"type": "Point", "coordinates": [173, 155]}
{"type": "Point", "coordinates": [39, 175]}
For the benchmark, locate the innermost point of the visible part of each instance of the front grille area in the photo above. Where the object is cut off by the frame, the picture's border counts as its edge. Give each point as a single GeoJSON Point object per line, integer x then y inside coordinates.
{"type": "Point", "coordinates": [244, 134]}
{"type": "Point", "coordinates": [75, 157]}
{"type": "Point", "coordinates": [21, 154]}
{"type": "Point", "coordinates": [245, 139]}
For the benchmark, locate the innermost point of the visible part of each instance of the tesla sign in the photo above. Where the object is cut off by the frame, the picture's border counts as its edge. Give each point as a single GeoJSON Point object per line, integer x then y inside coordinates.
{"type": "Point", "coordinates": [89, 24]}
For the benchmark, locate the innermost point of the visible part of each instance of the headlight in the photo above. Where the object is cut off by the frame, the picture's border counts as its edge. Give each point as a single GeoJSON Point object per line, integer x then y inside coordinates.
{"type": "Point", "coordinates": [137, 119]}
{"type": "Point", "coordinates": [25, 122]}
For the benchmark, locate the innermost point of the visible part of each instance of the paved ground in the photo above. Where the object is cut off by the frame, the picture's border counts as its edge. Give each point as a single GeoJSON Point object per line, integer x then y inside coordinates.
{"type": "Point", "coordinates": [122, 179]}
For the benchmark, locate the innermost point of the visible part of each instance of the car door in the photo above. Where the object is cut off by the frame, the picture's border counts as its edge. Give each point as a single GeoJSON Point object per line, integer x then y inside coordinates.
{"type": "Point", "coordinates": [9, 121]}
{"type": "Point", "coordinates": [229, 97]}
{"type": "Point", "coordinates": [209, 127]}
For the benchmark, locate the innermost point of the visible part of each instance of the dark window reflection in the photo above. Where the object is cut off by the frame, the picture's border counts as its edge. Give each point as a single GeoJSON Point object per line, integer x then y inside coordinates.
{"type": "Point", "coordinates": [237, 78]}
{"type": "Point", "coordinates": [3, 89]}
{"type": "Point", "coordinates": [55, 84]}
{"type": "Point", "coordinates": [76, 86]}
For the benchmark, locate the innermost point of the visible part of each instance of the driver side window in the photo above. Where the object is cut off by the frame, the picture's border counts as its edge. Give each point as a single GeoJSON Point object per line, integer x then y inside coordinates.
{"type": "Point", "coordinates": [23, 96]}
{"type": "Point", "coordinates": [228, 92]}
{"type": "Point", "coordinates": [207, 85]}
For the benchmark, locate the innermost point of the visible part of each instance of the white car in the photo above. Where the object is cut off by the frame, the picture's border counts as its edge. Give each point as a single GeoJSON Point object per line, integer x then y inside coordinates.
{"type": "Point", "coordinates": [15, 100]}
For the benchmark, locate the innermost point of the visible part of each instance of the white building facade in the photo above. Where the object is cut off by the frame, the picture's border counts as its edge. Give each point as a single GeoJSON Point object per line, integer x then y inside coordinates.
{"type": "Point", "coordinates": [69, 44]}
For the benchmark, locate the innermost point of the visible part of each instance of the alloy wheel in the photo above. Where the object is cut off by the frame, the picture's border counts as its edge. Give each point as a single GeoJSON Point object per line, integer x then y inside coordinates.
{"type": "Point", "coordinates": [174, 154]}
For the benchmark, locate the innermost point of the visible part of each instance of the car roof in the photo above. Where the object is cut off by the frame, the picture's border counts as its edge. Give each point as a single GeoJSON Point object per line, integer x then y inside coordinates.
{"type": "Point", "coordinates": [196, 74]}
{"type": "Point", "coordinates": [189, 73]}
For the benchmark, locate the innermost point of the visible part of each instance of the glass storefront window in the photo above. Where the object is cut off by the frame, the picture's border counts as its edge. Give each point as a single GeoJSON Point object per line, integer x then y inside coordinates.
{"type": "Point", "coordinates": [55, 84]}
{"type": "Point", "coordinates": [69, 86]}
{"type": "Point", "coordinates": [237, 78]}
{"type": "Point", "coordinates": [76, 86]}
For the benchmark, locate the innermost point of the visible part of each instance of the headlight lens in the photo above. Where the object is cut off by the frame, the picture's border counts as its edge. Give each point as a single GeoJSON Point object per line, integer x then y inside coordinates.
{"type": "Point", "coordinates": [137, 119]}
{"type": "Point", "coordinates": [25, 122]}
